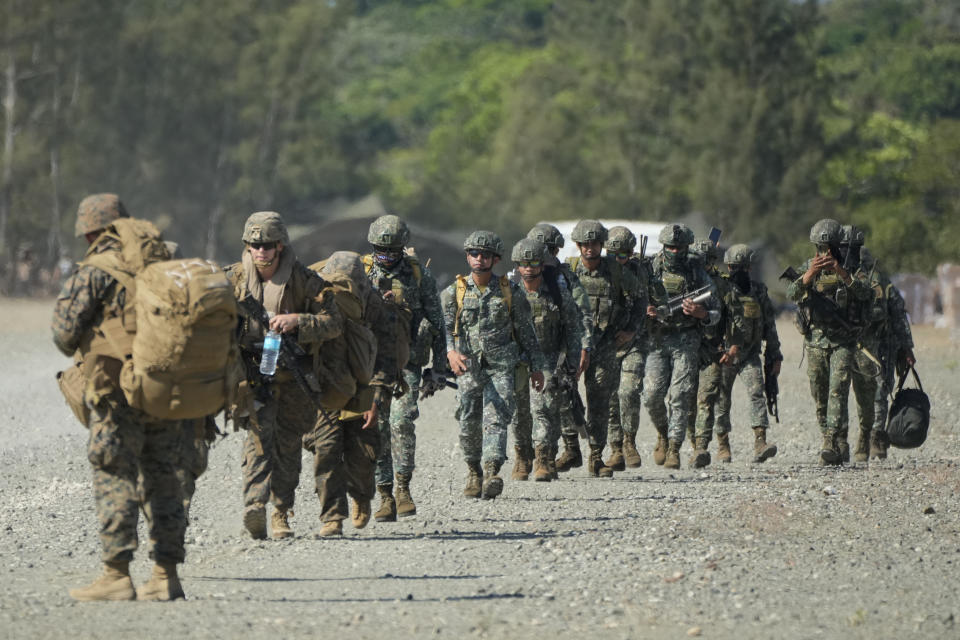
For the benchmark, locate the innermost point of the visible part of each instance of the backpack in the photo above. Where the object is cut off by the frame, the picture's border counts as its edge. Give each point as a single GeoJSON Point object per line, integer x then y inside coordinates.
{"type": "Point", "coordinates": [909, 417]}
{"type": "Point", "coordinates": [402, 312]}
{"type": "Point", "coordinates": [461, 292]}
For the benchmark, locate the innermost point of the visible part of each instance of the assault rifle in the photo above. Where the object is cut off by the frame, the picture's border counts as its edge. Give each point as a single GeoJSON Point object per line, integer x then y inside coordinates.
{"type": "Point", "coordinates": [815, 301]}
{"type": "Point", "coordinates": [675, 303]}
{"type": "Point", "coordinates": [565, 377]}
{"type": "Point", "coordinates": [434, 381]}
{"type": "Point", "coordinates": [771, 389]}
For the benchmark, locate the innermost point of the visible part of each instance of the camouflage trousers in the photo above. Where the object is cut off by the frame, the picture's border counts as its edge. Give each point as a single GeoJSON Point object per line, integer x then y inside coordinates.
{"type": "Point", "coordinates": [272, 451]}
{"type": "Point", "coordinates": [194, 451]}
{"type": "Point", "coordinates": [134, 459]}
{"type": "Point", "coordinates": [398, 438]}
{"type": "Point", "coordinates": [344, 461]}
{"type": "Point", "coordinates": [673, 365]}
{"type": "Point", "coordinates": [885, 386]}
{"type": "Point", "coordinates": [625, 404]}
{"type": "Point", "coordinates": [715, 392]}
{"type": "Point", "coordinates": [867, 385]}
{"type": "Point", "coordinates": [486, 403]}
{"type": "Point", "coordinates": [536, 422]}
{"type": "Point", "coordinates": [829, 370]}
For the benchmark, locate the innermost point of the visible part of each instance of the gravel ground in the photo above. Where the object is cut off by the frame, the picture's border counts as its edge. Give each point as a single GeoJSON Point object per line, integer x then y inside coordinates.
{"type": "Point", "coordinates": [784, 549]}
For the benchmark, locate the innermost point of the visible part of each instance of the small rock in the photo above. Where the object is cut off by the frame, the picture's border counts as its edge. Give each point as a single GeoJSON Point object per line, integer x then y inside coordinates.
{"type": "Point", "coordinates": [829, 491]}
{"type": "Point", "coordinates": [694, 631]}
{"type": "Point", "coordinates": [929, 510]}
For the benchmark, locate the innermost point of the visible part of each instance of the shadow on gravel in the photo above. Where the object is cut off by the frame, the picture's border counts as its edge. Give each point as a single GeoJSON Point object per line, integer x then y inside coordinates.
{"type": "Point", "coordinates": [408, 598]}
{"type": "Point", "coordinates": [386, 576]}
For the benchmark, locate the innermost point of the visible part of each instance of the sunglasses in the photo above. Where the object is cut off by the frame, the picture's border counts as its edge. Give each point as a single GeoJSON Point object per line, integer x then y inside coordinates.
{"type": "Point", "coordinates": [529, 263]}
{"type": "Point", "coordinates": [623, 255]}
{"type": "Point", "coordinates": [263, 245]}
{"type": "Point", "coordinates": [477, 253]}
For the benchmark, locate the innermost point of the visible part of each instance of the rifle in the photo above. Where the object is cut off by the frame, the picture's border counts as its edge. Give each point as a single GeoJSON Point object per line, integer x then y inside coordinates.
{"type": "Point", "coordinates": [434, 381]}
{"type": "Point", "coordinates": [675, 303]}
{"type": "Point", "coordinates": [771, 389]}
{"type": "Point", "coordinates": [565, 377]}
{"type": "Point", "coordinates": [818, 301]}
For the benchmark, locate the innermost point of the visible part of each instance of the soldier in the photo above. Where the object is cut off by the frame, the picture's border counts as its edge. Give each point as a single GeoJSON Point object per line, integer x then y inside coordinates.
{"type": "Point", "coordinates": [673, 342]}
{"type": "Point", "coordinates": [488, 325]}
{"type": "Point", "coordinates": [832, 306]}
{"type": "Point", "coordinates": [400, 276]}
{"type": "Point", "coordinates": [346, 442]}
{"type": "Point", "coordinates": [625, 404]}
{"type": "Point", "coordinates": [270, 273]}
{"type": "Point", "coordinates": [556, 319]}
{"type": "Point", "coordinates": [617, 300]}
{"type": "Point", "coordinates": [125, 443]}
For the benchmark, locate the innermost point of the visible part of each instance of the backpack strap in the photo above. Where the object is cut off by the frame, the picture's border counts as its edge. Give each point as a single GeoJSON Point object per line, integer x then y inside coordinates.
{"type": "Point", "coordinates": [550, 275]}
{"type": "Point", "coordinates": [367, 262]}
{"type": "Point", "coordinates": [414, 263]}
{"type": "Point", "coordinates": [507, 292]}
{"type": "Point", "coordinates": [461, 292]}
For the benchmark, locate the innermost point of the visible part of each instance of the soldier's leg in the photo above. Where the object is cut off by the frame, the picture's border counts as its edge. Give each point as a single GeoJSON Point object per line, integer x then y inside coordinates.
{"type": "Point", "coordinates": [258, 456]}
{"type": "Point", "coordinates": [499, 404]}
{"type": "Point", "coordinates": [707, 394]}
{"type": "Point", "coordinates": [162, 490]}
{"type": "Point", "coordinates": [864, 381]}
{"type": "Point", "coordinates": [656, 382]}
{"type": "Point", "coordinates": [521, 424]}
{"type": "Point", "coordinates": [470, 413]}
{"type": "Point", "coordinates": [818, 373]}
{"type": "Point", "coordinates": [727, 376]}
{"type": "Point", "coordinates": [384, 471]}
{"type": "Point", "coordinates": [194, 446]}
{"type": "Point", "coordinates": [684, 379]}
{"type": "Point", "coordinates": [296, 415]}
{"type": "Point", "coordinates": [602, 379]}
{"type": "Point", "coordinates": [359, 458]}
{"type": "Point", "coordinates": [630, 391]}
{"type": "Point", "coordinates": [544, 409]}
{"type": "Point", "coordinates": [614, 425]}
{"type": "Point", "coordinates": [328, 472]}
{"type": "Point", "coordinates": [751, 374]}
{"type": "Point", "coordinates": [841, 371]}
{"type": "Point", "coordinates": [403, 416]}
{"type": "Point", "coordinates": [878, 441]}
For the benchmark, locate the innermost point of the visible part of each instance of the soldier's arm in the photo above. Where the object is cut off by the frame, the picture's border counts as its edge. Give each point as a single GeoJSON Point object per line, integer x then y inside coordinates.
{"type": "Point", "coordinates": [448, 304]}
{"type": "Point", "coordinates": [524, 332]}
{"type": "Point", "coordinates": [582, 300]}
{"type": "Point", "coordinates": [321, 319]}
{"type": "Point", "coordinates": [573, 334]}
{"type": "Point", "coordinates": [797, 289]}
{"type": "Point", "coordinates": [433, 312]}
{"type": "Point", "coordinates": [77, 306]}
{"type": "Point", "coordinates": [637, 301]}
{"type": "Point", "coordinates": [771, 351]}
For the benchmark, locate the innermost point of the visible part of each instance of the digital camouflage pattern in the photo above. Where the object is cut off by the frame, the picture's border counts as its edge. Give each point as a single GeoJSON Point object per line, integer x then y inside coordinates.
{"type": "Point", "coordinates": [388, 231]}
{"type": "Point", "coordinates": [547, 234]}
{"type": "Point", "coordinates": [484, 241]}
{"type": "Point", "coordinates": [626, 402]}
{"type": "Point", "coordinates": [97, 212]}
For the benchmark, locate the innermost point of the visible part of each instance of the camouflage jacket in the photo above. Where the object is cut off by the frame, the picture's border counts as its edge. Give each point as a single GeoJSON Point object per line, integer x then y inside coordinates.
{"type": "Point", "coordinates": [665, 283]}
{"type": "Point", "coordinates": [557, 327]}
{"type": "Point", "coordinates": [724, 334]}
{"type": "Point", "coordinates": [752, 320]}
{"type": "Point", "coordinates": [566, 279]}
{"type": "Point", "coordinates": [617, 298]}
{"type": "Point", "coordinates": [889, 327]}
{"type": "Point", "coordinates": [851, 304]}
{"type": "Point", "coordinates": [490, 329]}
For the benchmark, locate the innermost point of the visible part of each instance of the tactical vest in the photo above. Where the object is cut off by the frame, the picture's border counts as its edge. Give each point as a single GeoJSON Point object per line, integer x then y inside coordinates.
{"type": "Point", "coordinates": [673, 283]}
{"type": "Point", "coordinates": [747, 314]}
{"type": "Point", "coordinates": [605, 290]}
{"type": "Point", "coordinates": [547, 320]}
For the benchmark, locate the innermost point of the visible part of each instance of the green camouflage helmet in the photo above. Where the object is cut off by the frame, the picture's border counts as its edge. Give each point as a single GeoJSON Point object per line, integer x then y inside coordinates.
{"type": "Point", "coordinates": [711, 253]}
{"type": "Point", "coordinates": [589, 231]}
{"type": "Point", "coordinates": [851, 236]}
{"type": "Point", "coordinates": [484, 241]}
{"type": "Point", "coordinates": [96, 212]}
{"type": "Point", "coordinates": [620, 240]}
{"type": "Point", "coordinates": [528, 249]}
{"type": "Point", "coordinates": [547, 234]}
{"type": "Point", "coordinates": [825, 232]}
{"type": "Point", "coordinates": [388, 231]}
{"type": "Point", "coordinates": [676, 235]}
{"type": "Point", "coordinates": [738, 255]}
{"type": "Point", "coordinates": [265, 226]}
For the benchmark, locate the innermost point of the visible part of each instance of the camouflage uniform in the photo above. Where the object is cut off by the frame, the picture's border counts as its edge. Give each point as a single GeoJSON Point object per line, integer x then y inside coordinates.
{"type": "Point", "coordinates": [625, 404]}
{"type": "Point", "coordinates": [196, 437]}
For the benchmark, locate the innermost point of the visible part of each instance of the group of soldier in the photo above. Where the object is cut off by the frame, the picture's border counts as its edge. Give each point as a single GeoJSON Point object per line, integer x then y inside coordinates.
{"type": "Point", "coordinates": [672, 332]}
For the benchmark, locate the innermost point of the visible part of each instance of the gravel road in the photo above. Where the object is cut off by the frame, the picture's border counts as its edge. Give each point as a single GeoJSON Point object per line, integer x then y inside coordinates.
{"type": "Point", "coordinates": [784, 549]}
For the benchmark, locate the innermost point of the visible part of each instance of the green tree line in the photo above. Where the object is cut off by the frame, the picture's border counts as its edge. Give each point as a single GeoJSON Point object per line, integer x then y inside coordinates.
{"type": "Point", "coordinates": [762, 115]}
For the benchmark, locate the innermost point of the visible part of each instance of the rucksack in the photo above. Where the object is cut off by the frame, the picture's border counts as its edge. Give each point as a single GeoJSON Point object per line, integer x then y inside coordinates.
{"type": "Point", "coordinates": [909, 417]}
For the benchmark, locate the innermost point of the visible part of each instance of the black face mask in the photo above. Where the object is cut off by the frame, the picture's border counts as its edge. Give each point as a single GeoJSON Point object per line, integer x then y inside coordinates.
{"type": "Point", "coordinates": [741, 279]}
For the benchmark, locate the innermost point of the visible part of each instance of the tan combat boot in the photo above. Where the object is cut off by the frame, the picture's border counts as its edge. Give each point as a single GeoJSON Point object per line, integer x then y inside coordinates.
{"type": "Point", "coordinates": [279, 524]}
{"type": "Point", "coordinates": [700, 457]}
{"type": "Point", "coordinates": [862, 452]}
{"type": "Point", "coordinates": [595, 466]}
{"type": "Point", "coordinates": [331, 529]}
{"type": "Point", "coordinates": [492, 483]}
{"type": "Point", "coordinates": [672, 459]}
{"type": "Point", "coordinates": [163, 585]}
{"type": "Point", "coordinates": [660, 451]}
{"type": "Point", "coordinates": [521, 464]}
{"type": "Point", "coordinates": [761, 450]}
{"type": "Point", "coordinates": [616, 461]}
{"type": "Point", "coordinates": [571, 456]}
{"type": "Point", "coordinates": [474, 480]}
{"type": "Point", "coordinates": [541, 465]}
{"type": "Point", "coordinates": [388, 507]}
{"type": "Point", "coordinates": [878, 445]}
{"type": "Point", "coordinates": [842, 446]}
{"type": "Point", "coordinates": [361, 513]}
{"type": "Point", "coordinates": [113, 584]}
{"type": "Point", "coordinates": [829, 455]}
{"type": "Point", "coordinates": [631, 457]}
{"type": "Point", "coordinates": [405, 505]}
{"type": "Point", "coordinates": [255, 521]}
{"type": "Point", "coordinates": [723, 447]}
{"type": "Point", "coordinates": [552, 462]}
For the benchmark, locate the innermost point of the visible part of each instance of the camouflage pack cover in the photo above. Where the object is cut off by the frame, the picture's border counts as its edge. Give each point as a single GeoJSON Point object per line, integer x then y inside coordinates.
{"type": "Point", "coordinates": [620, 239]}
{"type": "Point", "coordinates": [97, 211]}
{"type": "Point", "coordinates": [265, 226]}
{"type": "Point", "coordinates": [589, 231]}
{"type": "Point", "coordinates": [388, 231]}
{"type": "Point", "coordinates": [484, 241]}
{"type": "Point", "coordinates": [528, 249]}
{"type": "Point", "coordinates": [676, 235]}
{"type": "Point", "coordinates": [547, 234]}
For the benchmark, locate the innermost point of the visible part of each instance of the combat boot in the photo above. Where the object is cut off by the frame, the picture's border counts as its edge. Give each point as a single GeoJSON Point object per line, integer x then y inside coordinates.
{"type": "Point", "coordinates": [541, 465]}
{"type": "Point", "coordinates": [552, 463]}
{"type": "Point", "coordinates": [331, 529]}
{"type": "Point", "coordinates": [723, 447]}
{"type": "Point", "coordinates": [842, 446]}
{"type": "Point", "coordinates": [595, 466]}
{"type": "Point", "coordinates": [616, 461]}
{"type": "Point", "coordinates": [388, 507]}
{"type": "Point", "coordinates": [761, 450]}
{"type": "Point", "coordinates": [829, 455]}
{"type": "Point", "coordinates": [492, 483]}
{"type": "Point", "coordinates": [361, 513]}
{"type": "Point", "coordinates": [405, 505]}
{"type": "Point", "coordinates": [631, 457]}
{"type": "Point", "coordinates": [474, 480]}
{"type": "Point", "coordinates": [113, 584]}
{"type": "Point", "coordinates": [571, 456]}
{"type": "Point", "coordinates": [672, 459]}
{"type": "Point", "coordinates": [878, 445]}
{"type": "Point", "coordinates": [279, 524]}
{"type": "Point", "coordinates": [700, 457]}
{"type": "Point", "coordinates": [862, 452]}
{"type": "Point", "coordinates": [521, 465]}
{"type": "Point", "coordinates": [660, 451]}
{"type": "Point", "coordinates": [163, 585]}
{"type": "Point", "coordinates": [255, 521]}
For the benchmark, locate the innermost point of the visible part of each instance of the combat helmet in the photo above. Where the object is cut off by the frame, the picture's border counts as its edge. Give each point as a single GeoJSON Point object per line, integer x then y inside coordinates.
{"type": "Point", "coordinates": [709, 252]}
{"type": "Point", "coordinates": [388, 231]}
{"type": "Point", "coordinates": [484, 241]}
{"type": "Point", "coordinates": [547, 234]}
{"type": "Point", "coordinates": [825, 232]}
{"type": "Point", "coordinates": [589, 231]}
{"type": "Point", "coordinates": [676, 235]}
{"type": "Point", "coordinates": [97, 212]}
{"type": "Point", "coordinates": [620, 240]}
{"type": "Point", "coordinates": [851, 236]}
{"type": "Point", "coordinates": [528, 249]}
{"type": "Point", "coordinates": [265, 226]}
{"type": "Point", "coordinates": [738, 255]}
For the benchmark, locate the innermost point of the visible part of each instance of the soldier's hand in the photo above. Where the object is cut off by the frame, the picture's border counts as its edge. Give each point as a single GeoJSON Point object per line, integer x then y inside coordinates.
{"type": "Point", "coordinates": [731, 356]}
{"type": "Point", "coordinates": [584, 362]}
{"type": "Point", "coordinates": [775, 369]}
{"type": "Point", "coordinates": [909, 358]}
{"type": "Point", "coordinates": [457, 361]}
{"type": "Point", "coordinates": [370, 417]}
{"type": "Point", "coordinates": [694, 309]}
{"type": "Point", "coordinates": [285, 322]}
{"type": "Point", "coordinates": [537, 380]}
{"type": "Point", "coordinates": [651, 311]}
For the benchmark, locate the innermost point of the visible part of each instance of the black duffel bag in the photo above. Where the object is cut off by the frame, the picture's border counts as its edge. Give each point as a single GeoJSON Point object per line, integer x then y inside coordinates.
{"type": "Point", "coordinates": [909, 417]}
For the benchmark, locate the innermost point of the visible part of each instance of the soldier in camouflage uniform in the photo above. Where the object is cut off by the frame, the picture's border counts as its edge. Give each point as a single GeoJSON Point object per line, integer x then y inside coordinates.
{"type": "Point", "coordinates": [752, 320]}
{"type": "Point", "coordinates": [673, 343]}
{"type": "Point", "coordinates": [133, 455]}
{"type": "Point", "coordinates": [833, 305]}
{"type": "Point", "coordinates": [270, 272]}
{"type": "Point", "coordinates": [411, 286]}
{"type": "Point", "coordinates": [625, 404]}
{"type": "Point", "coordinates": [556, 319]}
{"type": "Point", "coordinates": [488, 324]}
{"type": "Point", "coordinates": [617, 299]}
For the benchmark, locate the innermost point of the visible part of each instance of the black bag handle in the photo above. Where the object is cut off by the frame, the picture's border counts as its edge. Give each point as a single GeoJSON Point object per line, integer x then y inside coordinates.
{"type": "Point", "coordinates": [903, 378]}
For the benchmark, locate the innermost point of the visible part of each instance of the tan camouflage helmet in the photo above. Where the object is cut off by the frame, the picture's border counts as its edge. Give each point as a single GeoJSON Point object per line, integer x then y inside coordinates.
{"type": "Point", "coordinates": [589, 231]}
{"type": "Point", "coordinates": [620, 240]}
{"type": "Point", "coordinates": [265, 226]}
{"type": "Point", "coordinates": [676, 235]}
{"type": "Point", "coordinates": [547, 234]}
{"type": "Point", "coordinates": [349, 264]}
{"type": "Point", "coordinates": [96, 212]}
{"type": "Point", "coordinates": [388, 231]}
{"type": "Point", "coordinates": [527, 250]}
{"type": "Point", "coordinates": [738, 255]}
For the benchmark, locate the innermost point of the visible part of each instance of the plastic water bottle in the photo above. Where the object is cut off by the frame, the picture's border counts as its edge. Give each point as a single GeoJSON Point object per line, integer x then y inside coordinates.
{"type": "Point", "coordinates": [271, 349]}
